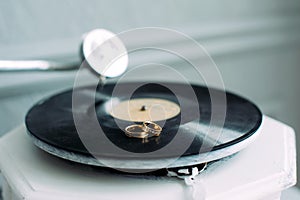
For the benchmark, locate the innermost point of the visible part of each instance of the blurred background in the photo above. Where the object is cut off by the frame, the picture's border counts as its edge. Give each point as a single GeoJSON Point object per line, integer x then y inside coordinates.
{"type": "Point", "coordinates": [255, 44]}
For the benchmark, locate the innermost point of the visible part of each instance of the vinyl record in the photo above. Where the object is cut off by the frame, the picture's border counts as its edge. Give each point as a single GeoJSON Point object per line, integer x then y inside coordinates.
{"type": "Point", "coordinates": [51, 122]}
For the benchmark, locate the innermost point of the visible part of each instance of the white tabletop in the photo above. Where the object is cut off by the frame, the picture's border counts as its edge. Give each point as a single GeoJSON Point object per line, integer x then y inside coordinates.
{"type": "Point", "coordinates": [262, 170]}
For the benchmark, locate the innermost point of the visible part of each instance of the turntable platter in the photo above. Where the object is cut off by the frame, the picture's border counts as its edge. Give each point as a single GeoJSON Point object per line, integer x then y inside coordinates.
{"type": "Point", "coordinates": [51, 122]}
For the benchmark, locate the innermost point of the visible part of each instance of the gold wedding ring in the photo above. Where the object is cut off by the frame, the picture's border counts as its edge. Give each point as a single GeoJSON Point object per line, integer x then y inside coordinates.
{"type": "Point", "coordinates": [148, 129]}
{"type": "Point", "coordinates": [152, 128]}
{"type": "Point", "coordinates": [136, 131]}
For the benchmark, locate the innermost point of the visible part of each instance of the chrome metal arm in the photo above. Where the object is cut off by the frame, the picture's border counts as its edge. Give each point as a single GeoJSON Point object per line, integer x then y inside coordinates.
{"type": "Point", "coordinates": [27, 65]}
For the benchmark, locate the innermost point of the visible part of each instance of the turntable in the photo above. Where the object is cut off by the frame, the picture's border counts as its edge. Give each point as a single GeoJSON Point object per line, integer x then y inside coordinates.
{"type": "Point", "coordinates": [168, 140]}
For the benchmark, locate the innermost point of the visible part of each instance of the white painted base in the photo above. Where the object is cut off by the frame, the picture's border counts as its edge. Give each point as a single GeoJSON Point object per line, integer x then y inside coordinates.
{"type": "Point", "coordinates": [261, 171]}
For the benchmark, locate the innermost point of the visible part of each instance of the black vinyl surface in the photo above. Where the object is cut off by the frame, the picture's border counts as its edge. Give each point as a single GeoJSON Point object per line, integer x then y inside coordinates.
{"type": "Point", "coordinates": [51, 120]}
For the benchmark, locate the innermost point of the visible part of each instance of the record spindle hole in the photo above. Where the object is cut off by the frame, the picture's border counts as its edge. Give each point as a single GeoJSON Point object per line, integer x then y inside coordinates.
{"type": "Point", "coordinates": [143, 108]}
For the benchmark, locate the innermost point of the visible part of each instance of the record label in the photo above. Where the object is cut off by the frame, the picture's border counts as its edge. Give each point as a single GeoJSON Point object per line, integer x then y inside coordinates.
{"type": "Point", "coordinates": [143, 109]}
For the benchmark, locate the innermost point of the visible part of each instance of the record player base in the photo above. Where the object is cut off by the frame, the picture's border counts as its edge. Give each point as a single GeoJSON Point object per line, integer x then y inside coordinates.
{"type": "Point", "coordinates": [261, 171]}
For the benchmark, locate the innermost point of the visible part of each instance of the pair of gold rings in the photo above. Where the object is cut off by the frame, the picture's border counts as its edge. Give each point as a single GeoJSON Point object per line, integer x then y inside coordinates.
{"type": "Point", "coordinates": [146, 130]}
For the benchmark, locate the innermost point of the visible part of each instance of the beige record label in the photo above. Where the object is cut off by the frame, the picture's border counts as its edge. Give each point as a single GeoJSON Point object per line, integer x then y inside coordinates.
{"type": "Point", "coordinates": [145, 109]}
